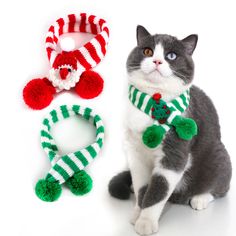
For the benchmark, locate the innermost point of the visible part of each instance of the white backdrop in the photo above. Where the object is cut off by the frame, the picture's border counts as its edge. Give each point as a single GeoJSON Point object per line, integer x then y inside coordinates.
{"type": "Point", "coordinates": [24, 24]}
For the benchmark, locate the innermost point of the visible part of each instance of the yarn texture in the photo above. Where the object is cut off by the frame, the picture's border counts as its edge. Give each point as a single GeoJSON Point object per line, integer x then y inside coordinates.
{"type": "Point", "coordinates": [68, 168]}
{"type": "Point", "coordinates": [71, 69]}
{"type": "Point", "coordinates": [165, 116]}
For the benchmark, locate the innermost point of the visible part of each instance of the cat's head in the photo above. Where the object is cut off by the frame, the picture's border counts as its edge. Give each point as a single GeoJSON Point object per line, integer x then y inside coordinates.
{"type": "Point", "coordinates": [161, 62]}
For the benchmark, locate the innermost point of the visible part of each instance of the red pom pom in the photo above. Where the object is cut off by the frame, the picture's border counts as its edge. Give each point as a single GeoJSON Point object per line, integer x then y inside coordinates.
{"type": "Point", "coordinates": [156, 97]}
{"type": "Point", "coordinates": [90, 85]}
{"type": "Point", "coordinates": [38, 93]}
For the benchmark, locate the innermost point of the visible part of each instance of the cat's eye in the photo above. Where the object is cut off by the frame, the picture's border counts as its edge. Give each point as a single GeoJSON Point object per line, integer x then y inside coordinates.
{"type": "Point", "coordinates": [148, 52]}
{"type": "Point", "coordinates": [171, 56]}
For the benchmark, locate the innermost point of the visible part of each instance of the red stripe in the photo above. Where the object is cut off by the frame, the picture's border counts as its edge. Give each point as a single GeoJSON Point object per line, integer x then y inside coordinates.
{"type": "Point", "coordinates": [107, 30]}
{"type": "Point", "coordinates": [61, 24]}
{"type": "Point", "coordinates": [102, 42]}
{"type": "Point", "coordinates": [49, 52]}
{"type": "Point", "coordinates": [101, 22]}
{"type": "Point", "coordinates": [49, 40]}
{"type": "Point", "coordinates": [82, 27]}
{"type": "Point", "coordinates": [51, 29]}
{"type": "Point", "coordinates": [81, 59]}
{"type": "Point", "coordinates": [55, 39]}
{"type": "Point", "coordinates": [92, 52]}
{"type": "Point", "coordinates": [72, 21]}
{"type": "Point", "coordinates": [93, 26]}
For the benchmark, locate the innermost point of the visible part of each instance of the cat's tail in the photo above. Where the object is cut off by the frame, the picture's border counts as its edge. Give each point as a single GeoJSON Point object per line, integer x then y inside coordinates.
{"type": "Point", "coordinates": [120, 185]}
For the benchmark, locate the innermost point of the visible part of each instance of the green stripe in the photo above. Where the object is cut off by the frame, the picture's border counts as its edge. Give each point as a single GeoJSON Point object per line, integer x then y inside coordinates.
{"type": "Point", "coordinates": [87, 112]}
{"type": "Point", "coordinates": [91, 151]}
{"type": "Point", "coordinates": [70, 163]}
{"type": "Point", "coordinates": [134, 95]}
{"type": "Point", "coordinates": [46, 134]}
{"type": "Point", "coordinates": [50, 178]}
{"type": "Point", "coordinates": [184, 100]}
{"type": "Point", "coordinates": [64, 111]}
{"type": "Point", "coordinates": [61, 171]}
{"type": "Point", "coordinates": [46, 122]}
{"type": "Point", "coordinates": [81, 157]}
{"type": "Point", "coordinates": [51, 155]}
{"type": "Point", "coordinates": [50, 146]}
{"type": "Point", "coordinates": [100, 142]}
{"type": "Point", "coordinates": [100, 130]}
{"type": "Point", "coordinates": [141, 99]}
{"type": "Point", "coordinates": [148, 106]}
{"type": "Point", "coordinates": [177, 105]}
{"type": "Point", "coordinates": [53, 113]}
{"type": "Point", "coordinates": [76, 108]}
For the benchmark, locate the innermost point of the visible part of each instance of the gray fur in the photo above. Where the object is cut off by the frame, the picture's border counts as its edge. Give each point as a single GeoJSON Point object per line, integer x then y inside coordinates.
{"type": "Point", "coordinates": [211, 169]}
{"type": "Point", "coordinates": [183, 66]}
{"type": "Point", "coordinates": [154, 192]}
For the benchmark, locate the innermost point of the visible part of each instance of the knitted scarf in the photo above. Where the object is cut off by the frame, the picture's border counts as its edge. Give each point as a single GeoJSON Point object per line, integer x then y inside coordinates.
{"type": "Point", "coordinates": [81, 59]}
{"type": "Point", "coordinates": [68, 168]}
{"type": "Point", "coordinates": [165, 115]}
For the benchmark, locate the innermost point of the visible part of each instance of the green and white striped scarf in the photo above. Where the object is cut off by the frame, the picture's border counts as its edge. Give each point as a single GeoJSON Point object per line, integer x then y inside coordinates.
{"type": "Point", "coordinates": [64, 167]}
{"type": "Point", "coordinates": [165, 114]}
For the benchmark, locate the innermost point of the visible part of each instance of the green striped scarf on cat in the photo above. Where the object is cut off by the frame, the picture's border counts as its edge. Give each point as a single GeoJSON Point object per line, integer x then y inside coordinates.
{"type": "Point", "coordinates": [165, 115]}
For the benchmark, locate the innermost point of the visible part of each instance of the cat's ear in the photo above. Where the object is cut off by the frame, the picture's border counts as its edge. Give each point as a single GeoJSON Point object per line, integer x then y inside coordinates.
{"type": "Point", "coordinates": [141, 33]}
{"type": "Point", "coordinates": [190, 43]}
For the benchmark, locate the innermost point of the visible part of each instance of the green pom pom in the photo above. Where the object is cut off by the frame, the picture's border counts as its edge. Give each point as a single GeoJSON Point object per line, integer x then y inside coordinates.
{"type": "Point", "coordinates": [186, 128]}
{"type": "Point", "coordinates": [153, 136]}
{"type": "Point", "coordinates": [80, 183]}
{"type": "Point", "coordinates": [48, 191]}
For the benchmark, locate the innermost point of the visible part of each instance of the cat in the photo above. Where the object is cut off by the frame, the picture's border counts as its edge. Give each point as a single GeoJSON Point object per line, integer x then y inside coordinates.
{"type": "Point", "coordinates": [191, 172]}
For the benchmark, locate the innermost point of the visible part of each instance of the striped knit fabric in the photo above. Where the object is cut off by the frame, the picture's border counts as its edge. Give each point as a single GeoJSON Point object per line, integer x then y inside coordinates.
{"type": "Point", "coordinates": [63, 167]}
{"type": "Point", "coordinates": [145, 103]}
{"type": "Point", "coordinates": [89, 55]}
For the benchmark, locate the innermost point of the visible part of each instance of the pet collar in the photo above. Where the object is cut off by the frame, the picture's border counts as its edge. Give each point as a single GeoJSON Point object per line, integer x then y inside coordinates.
{"type": "Point", "coordinates": [68, 168]}
{"type": "Point", "coordinates": [70, 69]}
{"type": "Point", "coordinates": [165, 116]}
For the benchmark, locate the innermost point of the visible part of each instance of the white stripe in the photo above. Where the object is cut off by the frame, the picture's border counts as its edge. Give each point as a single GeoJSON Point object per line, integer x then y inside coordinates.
{"type": "Point", "coordinates": [179, 100]}
{"type": "Point", "coordinates": [131, 93]}
{"type": "Point", "coordinates": [87, 56]}
{"type": "Point", "coordinates": [51, 45]}
{"type": "Point", "coordinates": [63, 165]}
{"type": "Point", "coordinates": [97, 47]}
{"type": "Point", "coordinates": [87, 26]}
{"type": "Point", "coordinates": [81, 111]}
{"type": "Point", "coordinates": [56, 30]}
{"type": "Point", "coordinates": [76, 161]}
{"type": "Point", "coordinates": [45, 139]}
{"type": "Point", "coordinates": [57, 176]}
{"type": "Point", "coordinates": [166, 127]}
{"type": "Point", "coordinates": [100, 135]}
{"type": "Point", "coordinates": [96, 147]}
{"type": "Point", "coordinates": [87, 155]}
{"type": "Point", "coordinates": [50, 34]}
{"type": "Point", "coordinates": [137, 98]}
{"type": "Point", "coordinates": [172, 116]}
{"type": "Point", "coordinates": [96, 21]}
{"type": "Point", "coordinates": [77, 27]}
{"type": "Point", "coordinates": [145, 101]}
{"type": "Point", "coordinates": [105, 36]}
{"type": "Point", "coordinates": [99, 123]}
{"type": "Point", "coordinates": [52, 57]}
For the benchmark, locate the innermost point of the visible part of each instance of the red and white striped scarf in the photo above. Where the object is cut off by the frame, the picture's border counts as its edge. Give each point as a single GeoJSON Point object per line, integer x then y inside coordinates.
{"type": "Point", "coordinates": [81, 59]}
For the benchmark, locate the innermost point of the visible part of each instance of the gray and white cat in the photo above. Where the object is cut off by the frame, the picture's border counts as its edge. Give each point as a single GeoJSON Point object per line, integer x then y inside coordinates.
{"type": "Point", "coordinates": [191, 172]}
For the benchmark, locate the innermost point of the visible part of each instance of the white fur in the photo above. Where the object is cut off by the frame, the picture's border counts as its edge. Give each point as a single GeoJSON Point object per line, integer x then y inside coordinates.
{"type": "Point", "coordinates": [143, 162]}
{"type": "Point", "coordinates": [200, 202]}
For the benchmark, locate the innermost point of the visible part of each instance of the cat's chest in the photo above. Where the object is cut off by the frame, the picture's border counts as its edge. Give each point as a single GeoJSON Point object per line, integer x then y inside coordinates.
{"type": "Point", "coordinates": [136, 120]}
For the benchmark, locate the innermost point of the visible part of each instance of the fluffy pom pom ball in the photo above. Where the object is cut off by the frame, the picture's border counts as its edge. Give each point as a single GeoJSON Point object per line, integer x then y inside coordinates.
{"type": "Point", "coordinates": [153, 136]}
{"type": "Point", "coordinates": [48, 191]}
{"type": "Point", "coordinates": [80, 183]}
{"type": "Point", "coordinates": [90, 85]}
{"type": "Point", "coordinates": [186, 128]}
{"type": "Point", "coordinates": [38, 93]}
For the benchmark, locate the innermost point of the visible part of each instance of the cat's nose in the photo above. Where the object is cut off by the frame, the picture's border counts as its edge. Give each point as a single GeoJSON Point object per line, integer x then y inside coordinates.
{"type": "Point", "coordinates": [157, 62]}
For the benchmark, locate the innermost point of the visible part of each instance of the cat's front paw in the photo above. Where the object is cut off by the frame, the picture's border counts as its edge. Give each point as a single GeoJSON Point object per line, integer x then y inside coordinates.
{"type": "Point", "coordinates": [135, 215]}
{"type": "Point", "coordinates": [146, 226]}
